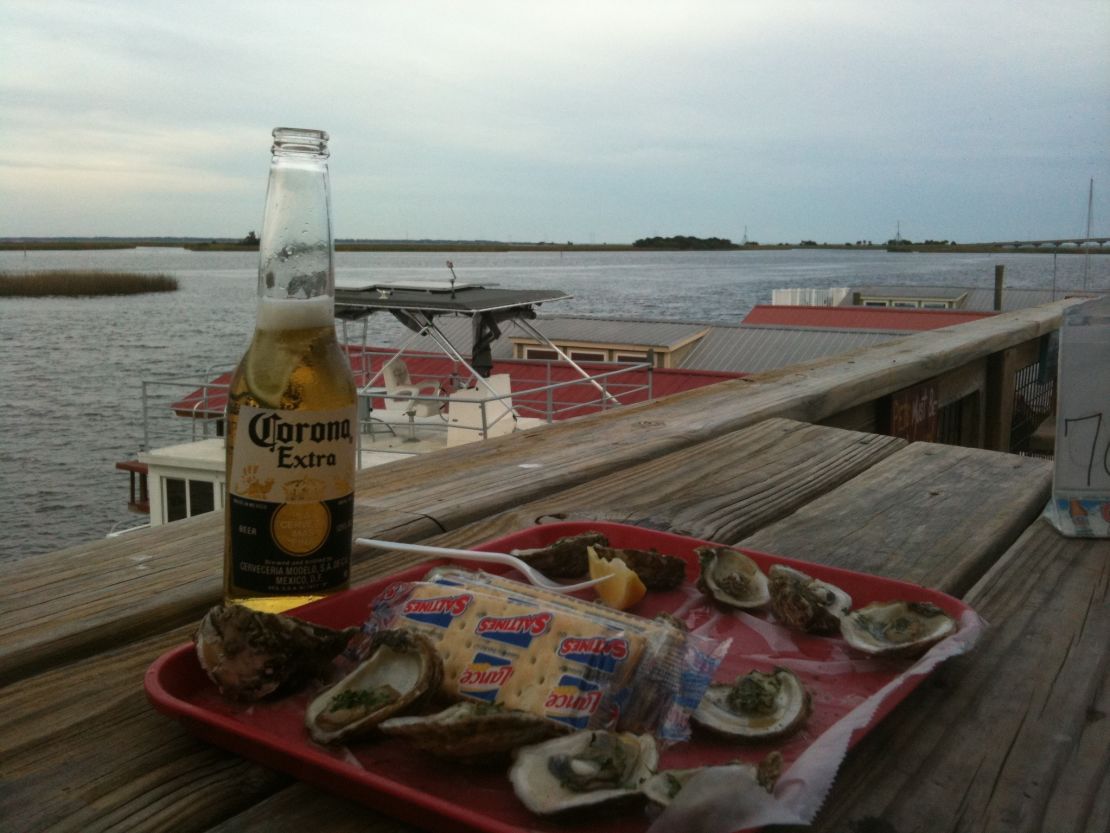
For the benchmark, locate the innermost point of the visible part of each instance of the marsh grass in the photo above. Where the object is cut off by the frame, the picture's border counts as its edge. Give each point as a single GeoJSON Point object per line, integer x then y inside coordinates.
{"type": "Point", "coordinates": [72, 283]}
{"type": "Point", "coordinates": [61, 245]}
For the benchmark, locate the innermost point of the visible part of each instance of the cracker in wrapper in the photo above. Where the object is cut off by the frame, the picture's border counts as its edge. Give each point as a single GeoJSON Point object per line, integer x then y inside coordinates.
{"type": "Point", "coordinates": [576, 663]}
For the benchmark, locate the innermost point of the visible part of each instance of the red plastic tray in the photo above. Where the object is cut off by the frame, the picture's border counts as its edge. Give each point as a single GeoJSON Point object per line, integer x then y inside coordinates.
{"type": "Point", "coordinates": [391, 776]}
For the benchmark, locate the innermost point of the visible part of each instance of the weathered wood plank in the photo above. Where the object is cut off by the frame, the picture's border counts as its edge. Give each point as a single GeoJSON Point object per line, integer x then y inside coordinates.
{"type": "Point", "coordinates": [148, 584]}
{"type": "Point", "coordinates": [301, 807]}
{"type": "Point", "coordinates": [84, 751]}
{"type": "Point", "coordinates": [719, 490]}
{"type": "Point", "coordinates": [934, 514]}
{"type": "Point", "coordinates": [1012, 737]}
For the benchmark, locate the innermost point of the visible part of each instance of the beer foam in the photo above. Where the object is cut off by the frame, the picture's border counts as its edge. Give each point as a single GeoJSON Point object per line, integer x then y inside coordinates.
{"type": "Point", "coordinates": [301, 314]}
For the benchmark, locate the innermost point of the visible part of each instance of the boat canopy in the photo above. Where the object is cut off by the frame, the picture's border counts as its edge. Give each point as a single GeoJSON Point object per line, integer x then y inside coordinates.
{"type": "Point", "coordinates": [417, 303]}
{"type": "Point", "coordinates": [355, 300]}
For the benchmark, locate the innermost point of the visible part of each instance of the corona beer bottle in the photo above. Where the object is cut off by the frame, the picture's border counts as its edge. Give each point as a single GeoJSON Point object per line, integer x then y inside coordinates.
{"type": "Point", "coordinates": [291, 415]}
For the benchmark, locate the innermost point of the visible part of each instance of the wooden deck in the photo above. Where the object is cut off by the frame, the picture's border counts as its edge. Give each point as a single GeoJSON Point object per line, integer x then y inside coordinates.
{"type": "Point", "coordinates": [1011, 737]}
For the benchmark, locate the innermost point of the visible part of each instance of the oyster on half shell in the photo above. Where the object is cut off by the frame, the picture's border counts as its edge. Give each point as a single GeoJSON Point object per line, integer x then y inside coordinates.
{"type": "Point", "coordinates": [731, 577]}
{"type": "Point", "coordinates": [896, 628]}
{"type": "Point", "coordinates": [249, 654]}
{"type": "Point", "coordinates": [805, 603]}
{"type": "Point", "coordinates": [583, 770]}
{"type": "Point", "coordinates": [471, 732]}
{"type": "Point", "coordinates": [663, 787]}
{"type": "Point", "coordinates": [401, 669]}
{"type": "Point", "coordinates": [757, 707]}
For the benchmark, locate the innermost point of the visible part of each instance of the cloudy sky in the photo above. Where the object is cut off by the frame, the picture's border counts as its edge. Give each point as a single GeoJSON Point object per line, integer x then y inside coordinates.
{"type": "Point", "coordinates": [592, 121]}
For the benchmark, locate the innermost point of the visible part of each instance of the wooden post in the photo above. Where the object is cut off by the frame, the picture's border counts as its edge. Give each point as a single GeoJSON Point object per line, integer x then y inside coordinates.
{"type": "Point", "coordinates": [999, 269]}
{"type": "Point", "coordinates": [999, 400]}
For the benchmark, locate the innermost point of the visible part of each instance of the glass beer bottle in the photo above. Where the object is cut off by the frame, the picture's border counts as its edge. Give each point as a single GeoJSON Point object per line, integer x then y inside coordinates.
{"type": "Point", "coordinates": [291, 414]}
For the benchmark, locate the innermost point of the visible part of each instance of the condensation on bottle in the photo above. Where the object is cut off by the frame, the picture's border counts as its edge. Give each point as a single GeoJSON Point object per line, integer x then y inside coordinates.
{"type": "Point", "coordinates": [291, 427]}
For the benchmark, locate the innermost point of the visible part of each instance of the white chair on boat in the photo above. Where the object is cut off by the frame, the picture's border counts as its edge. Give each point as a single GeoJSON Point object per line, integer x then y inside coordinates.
{"type": "Point", "coordinates": [406, 403]}
{"type": "Point", "coordinates": [406, 397]}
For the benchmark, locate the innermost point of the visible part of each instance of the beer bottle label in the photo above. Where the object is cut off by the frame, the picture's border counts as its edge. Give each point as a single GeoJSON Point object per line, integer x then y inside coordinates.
{"type": "Point", "coordinates": [291, 499]}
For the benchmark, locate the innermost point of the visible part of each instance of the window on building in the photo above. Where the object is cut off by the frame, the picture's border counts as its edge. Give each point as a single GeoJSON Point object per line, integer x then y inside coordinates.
{"type": "Point", "coordinates": [176, 504]}
{"type": "Point", "coordinates": [185, 498]}
{"type": "Point", "coordinates": [540, 353]}
{"type": "Point", "coordinates": [631, 358]}
{"type": "Point", "coordinates": [587, 356]}
{"type": "Point", "coordinates": [201, 497]}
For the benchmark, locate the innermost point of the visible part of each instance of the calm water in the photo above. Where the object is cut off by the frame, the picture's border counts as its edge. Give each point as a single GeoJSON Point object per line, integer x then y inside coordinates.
{"type": "Point", "coordinates": [71, 368]}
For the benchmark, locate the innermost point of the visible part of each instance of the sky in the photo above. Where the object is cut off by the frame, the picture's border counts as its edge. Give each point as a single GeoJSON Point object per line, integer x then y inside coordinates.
{"type": "Point", "coordinates": [588, 122]}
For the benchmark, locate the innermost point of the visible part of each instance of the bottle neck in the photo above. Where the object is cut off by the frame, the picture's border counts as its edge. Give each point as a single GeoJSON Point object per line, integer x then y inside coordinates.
{"type": "Point", "coordinates": [296, 249]}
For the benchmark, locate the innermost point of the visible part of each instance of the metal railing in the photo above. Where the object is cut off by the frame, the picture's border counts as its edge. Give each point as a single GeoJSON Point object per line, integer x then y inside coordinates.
{"type": "Point", "coordinates": [166, 401]}
{"type": "Point", "coordinates": [170, 404]}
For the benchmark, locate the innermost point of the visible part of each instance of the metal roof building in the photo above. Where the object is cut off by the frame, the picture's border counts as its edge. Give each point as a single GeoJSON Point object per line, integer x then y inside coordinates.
{"type": "Point", "coordinates": [979, 299]}
{"type": "Point", "coordinates": [659, 334]}
{"type": "Point", "coordinates": [735, 348]}
{"type": "Point", "coordinates": [870, 318]}
{"type": "Point", "coordinates": [753, 349]}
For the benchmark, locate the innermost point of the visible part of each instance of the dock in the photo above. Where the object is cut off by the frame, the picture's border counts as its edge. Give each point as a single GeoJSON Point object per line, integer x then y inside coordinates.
{"type": "Point", "coordinates": [804, 462]}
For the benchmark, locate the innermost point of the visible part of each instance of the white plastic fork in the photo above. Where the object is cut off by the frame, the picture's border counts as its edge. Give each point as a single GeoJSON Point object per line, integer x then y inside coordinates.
{"type": "Point", "coordinates": [531, 573]}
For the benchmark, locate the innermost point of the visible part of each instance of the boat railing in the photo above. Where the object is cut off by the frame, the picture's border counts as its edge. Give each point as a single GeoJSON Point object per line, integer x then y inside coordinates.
{"type": "Point", "coordinates": [611, 387]}
{"type": "Point", "coordinates": [539, 394]}
{"type": "Point", "coordinates": [615, 387]}
{"type": "Point", "coordinates": [546, 399]}
{"type": "Point", "coordinates": [165, 400]}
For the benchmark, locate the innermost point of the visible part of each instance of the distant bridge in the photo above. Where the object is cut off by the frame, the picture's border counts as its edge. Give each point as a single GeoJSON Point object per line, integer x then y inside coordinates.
{"type": "Point", "coordinates": [1054, 243]}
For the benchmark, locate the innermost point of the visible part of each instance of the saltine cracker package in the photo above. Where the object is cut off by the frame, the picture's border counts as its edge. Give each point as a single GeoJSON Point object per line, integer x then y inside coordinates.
{"type": "Point", "coordinates": [577, 663]}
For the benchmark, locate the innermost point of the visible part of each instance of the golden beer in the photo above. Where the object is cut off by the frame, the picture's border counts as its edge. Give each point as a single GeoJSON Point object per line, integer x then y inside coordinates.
{"type": "Point", "coordinates": [291, 428]}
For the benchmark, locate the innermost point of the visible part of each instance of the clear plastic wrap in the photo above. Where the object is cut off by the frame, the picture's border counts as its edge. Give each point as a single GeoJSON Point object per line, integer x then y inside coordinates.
{"type": "Point", "coordinates": [574, 662]}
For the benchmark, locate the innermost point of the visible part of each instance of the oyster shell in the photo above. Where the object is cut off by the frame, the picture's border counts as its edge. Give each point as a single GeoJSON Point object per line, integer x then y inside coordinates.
{"type": "Point", "coordinates": [656, 570]}
{"type": "Point", "coordinates": [757, 707]}
{"type": "Point", "coordinates": [662, 787]}
{"type": "Point", "coordinates": [731, 577]}
{"type": "Point", "coordinates": [249, 654]}
{"type": "Point", "coordinates": [401, 669]}
{"type": "Point", "coordinates": [471, 732]}
{"type": "Point", "coordinates": [583, 770]}
{"type": "Point", "coordinates": [896, 628]}
{"type": "Point", "coordinates": [805, 603]}
{"type": "Point", "coordinates": [564, 558]}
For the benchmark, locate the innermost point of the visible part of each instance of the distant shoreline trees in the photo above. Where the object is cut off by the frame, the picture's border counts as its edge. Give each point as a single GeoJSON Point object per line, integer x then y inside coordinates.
{"type": "Point", "coordinates": [684, 243]}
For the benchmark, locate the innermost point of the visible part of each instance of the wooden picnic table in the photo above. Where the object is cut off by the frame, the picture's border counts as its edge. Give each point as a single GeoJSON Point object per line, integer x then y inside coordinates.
{"type": "Point", "coordinates": [1012, 736]}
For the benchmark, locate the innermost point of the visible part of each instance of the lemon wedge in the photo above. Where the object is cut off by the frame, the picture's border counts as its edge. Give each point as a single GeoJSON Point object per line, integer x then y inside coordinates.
{"type": "Point", "coordinates": [622, 588]}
